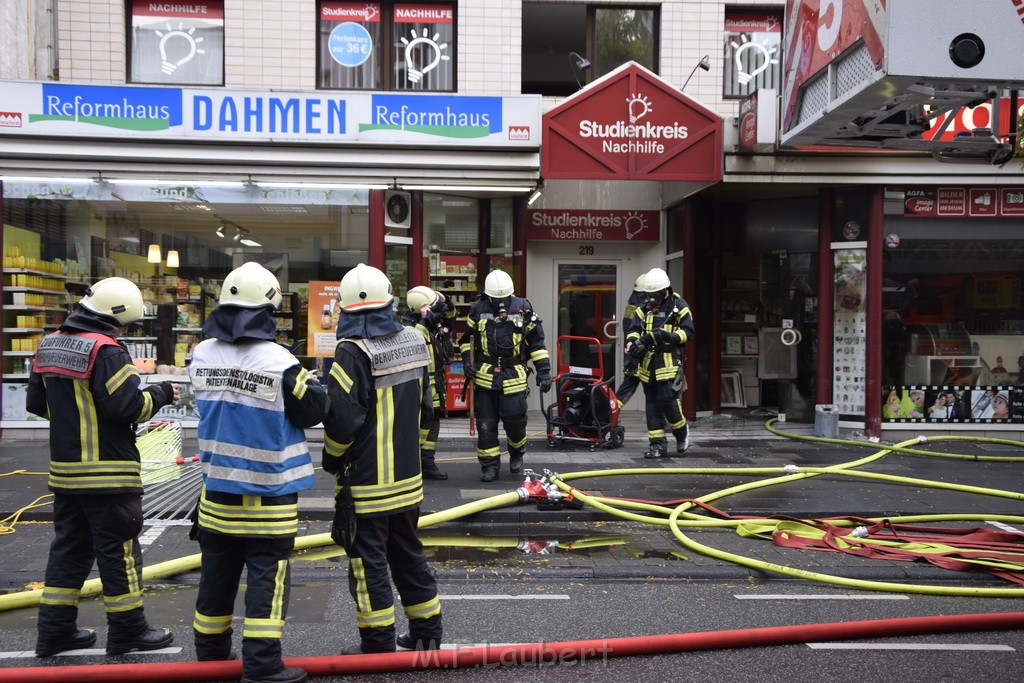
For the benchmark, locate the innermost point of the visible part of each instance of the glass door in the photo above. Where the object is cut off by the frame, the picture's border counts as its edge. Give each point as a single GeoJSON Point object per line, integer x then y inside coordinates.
{"type": "Point", "coordinates": [588, 306]}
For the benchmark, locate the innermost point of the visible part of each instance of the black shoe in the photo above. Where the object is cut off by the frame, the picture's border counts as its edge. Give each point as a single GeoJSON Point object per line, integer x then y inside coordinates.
{"type": "Point", "coordinates": [290, 675]}
{"type": "Point", "coordinates": [79, 640]}
{"type": "Point", "coordinates": [515, 464]}
{"type": "Point", "coordinates": [681, 446]}
{"type": "Point", "coordinates": [431, 472]}
{"type": "Point", "coordinates": [655, 451]}
{"type": "Point", "coordinates": [150, 639]}
{"type": "Point", "coordinates": [407, 642]}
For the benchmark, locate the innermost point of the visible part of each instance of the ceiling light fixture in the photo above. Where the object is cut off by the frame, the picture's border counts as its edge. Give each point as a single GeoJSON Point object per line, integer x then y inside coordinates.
{"type": "Point", "coordinates": [153, 256]}
{"type": "Point", "coordinates": [238, 234]}
{"type": "Point", "coordinates": [249, 242]}
{"type": "Point", "coordinates": [322, 186]}
{"type": "Point", "coordinates": [535, 195]}
{"type": "Point", "coordinates": [220, 232]}
{"type": "Point", "coordinates": [469, 188]}
{"type": "Point", "coordinates": [172, 258]}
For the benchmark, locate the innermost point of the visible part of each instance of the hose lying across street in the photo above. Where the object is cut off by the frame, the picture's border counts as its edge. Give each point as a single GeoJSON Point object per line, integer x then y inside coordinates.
{"type": "Point", "coordinates": [687, 514]}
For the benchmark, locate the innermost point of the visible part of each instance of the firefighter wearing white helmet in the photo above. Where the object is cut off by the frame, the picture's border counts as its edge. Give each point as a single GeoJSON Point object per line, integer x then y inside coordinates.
{"type": "Point", "coordinates": [630, 381]}
{"type": "Point", "coordinates": [380, 387]}
{"type": "Point", "coordinates": [504, 333]}
{"type": "Point", "coordinates": [255, 401]}
{"type": "Point", "coordinates": [430, 314]}
{"type": "Point", "coordinates": [659, 329]}
{"type": "Point", "coordinates": [84, 381]}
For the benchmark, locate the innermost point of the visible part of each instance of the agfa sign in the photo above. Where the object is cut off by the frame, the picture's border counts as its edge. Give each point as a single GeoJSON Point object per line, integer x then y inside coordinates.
{"type": "Point", "coordinates": [631, 125]}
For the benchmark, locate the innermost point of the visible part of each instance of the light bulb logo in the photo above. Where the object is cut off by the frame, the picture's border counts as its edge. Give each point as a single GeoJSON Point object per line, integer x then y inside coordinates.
{"type": "Point", "coordinates": [429, 48]}
{"type": "Point", "coordinates": [177, 35]}
{"type": "Point", "coordinates": [635, 224]}
{"type": "Point", "coordinates": [767, 58]}
{"type": "Point", "coordinates": [639, 106]}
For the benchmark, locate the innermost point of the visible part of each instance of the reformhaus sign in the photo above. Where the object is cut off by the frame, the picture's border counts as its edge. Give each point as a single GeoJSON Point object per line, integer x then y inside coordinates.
{"type": "Point", "coordinates": [98, 111]}
{"type": "Point", "coordinates": [632, 125]}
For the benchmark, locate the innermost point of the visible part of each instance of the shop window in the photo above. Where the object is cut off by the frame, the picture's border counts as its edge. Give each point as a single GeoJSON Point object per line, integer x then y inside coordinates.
{"type": "Point", "coordinates": [752, 50]}
{"type": "Point", "coordinates": [176, 43]}
{"type": "Point", "coordinates": [556, 35]}
{"type": "Point", "coordinates": [387, 46]}
{"type": "Point", "coordinates": [953, 325]}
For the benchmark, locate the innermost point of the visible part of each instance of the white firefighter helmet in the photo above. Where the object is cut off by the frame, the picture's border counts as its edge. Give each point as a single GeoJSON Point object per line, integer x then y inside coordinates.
{"type": "Point", "coordinates": [638, 283]}
{"type": "Point", "coordinates": [656, 280]}
{"type": "Point", "coordinates": [498, 285]}
{"type": "Point", "coordinates": [418, 296]}
{"type": "Point", "coordinates": [250, 285]}
{"type": "Point", "coordinates": [364, 288]}
{"type": "Point", "coordinates": [115, 297]}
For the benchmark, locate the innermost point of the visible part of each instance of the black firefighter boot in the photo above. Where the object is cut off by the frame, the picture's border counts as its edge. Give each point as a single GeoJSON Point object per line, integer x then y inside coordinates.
{"type": "Point", "coordinates": [489, 469]}
{"type": "Point", "coordinates": [429, 467]}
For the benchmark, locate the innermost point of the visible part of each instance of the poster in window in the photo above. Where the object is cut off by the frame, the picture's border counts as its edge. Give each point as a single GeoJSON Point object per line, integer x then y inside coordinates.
{"type": "Point", "coordinates": [750, 347]}
{"type": "Point", "coordinates": [423, 40]}
{"type": "Point", "coordinates": [350, 45]}
{"type": "Point", "coordinates": [753, 41]}
{"type": "Point", "coordinates": [733, 345]}
{"type": "Point", "coordinates": [177, 43]}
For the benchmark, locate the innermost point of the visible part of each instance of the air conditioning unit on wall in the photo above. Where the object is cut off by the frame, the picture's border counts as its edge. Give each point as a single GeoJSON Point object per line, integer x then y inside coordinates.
{"type": "Point", "coordinates": [397, 209]}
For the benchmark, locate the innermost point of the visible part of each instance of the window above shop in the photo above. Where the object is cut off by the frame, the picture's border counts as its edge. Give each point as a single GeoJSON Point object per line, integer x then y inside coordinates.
{"type": "Point", "coordinates": [176, 44]}
{"type": "Point", "coordinates": [386, 46]}
{"type": "Point", "coordinates": [752, 50]}
{"type": "Point", "coordinates": [567, 46]}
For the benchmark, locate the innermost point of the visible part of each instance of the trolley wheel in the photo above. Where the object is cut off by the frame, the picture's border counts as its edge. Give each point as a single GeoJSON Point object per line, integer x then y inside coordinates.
{"type": "Point", "coordinates": [618, 436]}
{"type": "Point", "coordinates": [551, 443]}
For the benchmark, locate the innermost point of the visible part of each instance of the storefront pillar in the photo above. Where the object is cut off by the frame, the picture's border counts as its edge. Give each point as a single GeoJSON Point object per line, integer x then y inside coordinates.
{"type": "Point", "coordinates": [375, 249]}
{"type": "Point", "coordinates": [690, 294]}
{"type": "Point", "coordinates": [873, 317]}
{"type": "Point", "coordinates": [823, 394]}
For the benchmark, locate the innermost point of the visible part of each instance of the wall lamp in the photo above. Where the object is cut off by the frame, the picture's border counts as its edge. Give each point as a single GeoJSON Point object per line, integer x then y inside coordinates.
{"type": "Point", "coordinates": [704, 64]}
{"type": "Point", "coordinates": [579, 64]}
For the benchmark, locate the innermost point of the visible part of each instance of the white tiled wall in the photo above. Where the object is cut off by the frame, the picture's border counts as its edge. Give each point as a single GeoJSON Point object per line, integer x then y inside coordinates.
{"type": "Point", "coordinates": [271, 44]}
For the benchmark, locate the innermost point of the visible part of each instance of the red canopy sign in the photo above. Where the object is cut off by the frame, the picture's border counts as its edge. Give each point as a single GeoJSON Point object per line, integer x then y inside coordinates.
{"type": "Point", "coordinates": [632, 125]}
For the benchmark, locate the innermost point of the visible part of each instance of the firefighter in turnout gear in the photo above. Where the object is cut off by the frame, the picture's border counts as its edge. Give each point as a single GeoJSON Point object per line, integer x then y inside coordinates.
{"type": "Point", "coordinates": [430, 314]}
{"type": "Point", "coordinates": [380, 387]}
{"type": "Point", "coordinates": [504, 333]}
{"type": "Point", "coordinates": [83, 380]}
{"type": "Point", "coordinates": [254, 400]}
{"type": "Point", "coordinates": [657, 333]}
{"type": "Point", "coordinates": [629, 379]}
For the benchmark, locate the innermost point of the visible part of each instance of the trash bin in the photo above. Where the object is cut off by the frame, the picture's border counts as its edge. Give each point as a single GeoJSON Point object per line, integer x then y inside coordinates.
{"type": "Point", "coordinates": [826, 420]}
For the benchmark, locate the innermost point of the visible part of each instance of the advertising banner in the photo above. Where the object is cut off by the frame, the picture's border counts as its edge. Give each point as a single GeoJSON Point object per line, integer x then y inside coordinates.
{"type": "Point", "coordinates": [322, 321]}
{"type": "Point", "coordinates": [954, 404]}
{"type": "Point", "coordinates": [957, 202]}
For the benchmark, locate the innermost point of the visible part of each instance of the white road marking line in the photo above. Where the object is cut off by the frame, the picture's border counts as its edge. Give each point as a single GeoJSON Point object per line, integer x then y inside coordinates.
{"type": "Point", "coordinates": [797, 596]}
{"type": "Point", "coordinates": [445, 596]}
{"type": "Point", "coordinates": [911, 646]}
{"type": "Point", "coordinates": [91, 652]}
{"type": "Point", "coordinates": [1004, 527]}
{"type": "Point", "coordinates": [147, 537]}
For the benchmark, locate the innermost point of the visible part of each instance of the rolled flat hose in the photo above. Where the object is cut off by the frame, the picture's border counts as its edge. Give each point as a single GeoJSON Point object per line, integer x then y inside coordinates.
{"type": "Point", "coordinates": [531, 654]}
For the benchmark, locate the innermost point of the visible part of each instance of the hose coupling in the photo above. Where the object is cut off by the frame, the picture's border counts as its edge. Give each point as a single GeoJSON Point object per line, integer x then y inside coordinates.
{"type": "Point", "coordinates": [790, 469]}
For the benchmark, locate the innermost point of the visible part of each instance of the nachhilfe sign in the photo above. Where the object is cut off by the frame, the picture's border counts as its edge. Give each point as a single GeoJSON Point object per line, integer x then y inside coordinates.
{"type": "Point", "coordinates": [631, 125]}
{"type": "Point", "coordinates": [97, 111]}
{"type": "Point", "coordinates": [593, 225]}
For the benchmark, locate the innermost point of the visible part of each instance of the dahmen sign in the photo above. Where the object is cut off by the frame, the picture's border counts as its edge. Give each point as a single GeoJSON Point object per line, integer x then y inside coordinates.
{"type": "Point", "coordinates": [631, 125]}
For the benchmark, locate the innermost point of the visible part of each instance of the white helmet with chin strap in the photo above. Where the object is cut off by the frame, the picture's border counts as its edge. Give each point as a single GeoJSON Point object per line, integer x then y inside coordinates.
{"type": "Point", "coordinates": [418, 296]}
{"type": "Point", "coordinates": [638, 284]}
{"type": "Point", "coordinates": [656, 280]}
{"type": "Point", "coordinates": [498, 285]}
{"type": "Point", "coordinates": [250, 286]}
{"type": "Point", "coordinates": [115, 297]}
{"type": "Point", "coordinates": [364, 288]}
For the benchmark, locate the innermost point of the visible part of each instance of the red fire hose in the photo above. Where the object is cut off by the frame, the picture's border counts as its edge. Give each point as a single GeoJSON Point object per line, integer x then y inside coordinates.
{"type": "Point", "coordinates": [530, 654]}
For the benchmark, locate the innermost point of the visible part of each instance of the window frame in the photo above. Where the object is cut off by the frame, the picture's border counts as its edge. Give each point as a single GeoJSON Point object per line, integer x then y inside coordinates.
{"type": "Point", "coordinates": [129, 16]}
{"type": "Point", "coordinates": [386, 48]}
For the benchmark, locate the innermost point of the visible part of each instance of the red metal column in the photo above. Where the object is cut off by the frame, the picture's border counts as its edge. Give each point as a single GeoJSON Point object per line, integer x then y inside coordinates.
{"type": "Point", "coordinates": [375, 249]}
{"type": "Point", "coordinates": [416, 274]}
{"type": "Point", "coordinates": [690, 294]}
{"type": "Point", "coordinates": [873, 314]}
{"type": "Point", "coordinates": [715, 339]}
{"type": "Point", "coordinates": [823, 394]}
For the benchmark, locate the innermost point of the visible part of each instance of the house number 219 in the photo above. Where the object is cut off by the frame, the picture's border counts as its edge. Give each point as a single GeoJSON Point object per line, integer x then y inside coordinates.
{"type": "Point", "coordinates": [587, 250]}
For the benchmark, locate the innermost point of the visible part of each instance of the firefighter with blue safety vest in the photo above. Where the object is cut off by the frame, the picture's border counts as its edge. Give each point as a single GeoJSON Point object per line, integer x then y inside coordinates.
{"type": "Point", "coordinates": [380, 388]}
{"type": "Point", "coordinates": [84, 381]}
{"type": "Point", "coordinates": [430, 314]}
{"type": "Point", "coordinates": [502, 334]}
{"type": "Point", "coordinates": [660, 327]}
{"type": "Point", "coordinates": [254, 399]}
